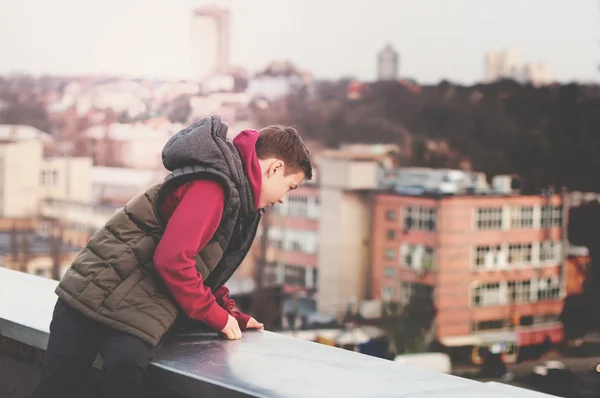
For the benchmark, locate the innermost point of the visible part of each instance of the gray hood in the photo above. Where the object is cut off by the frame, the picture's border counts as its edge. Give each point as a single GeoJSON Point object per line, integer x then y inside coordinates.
{"type": "Point", "coordinates": [197, 145]}
{"type": "Point", "coordinates": [203, 146]}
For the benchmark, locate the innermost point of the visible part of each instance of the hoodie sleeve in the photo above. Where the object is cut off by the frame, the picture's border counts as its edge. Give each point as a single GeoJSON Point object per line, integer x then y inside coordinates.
{"type": "Point", "coordinates": [190, 227]}
{"type": "Point", "coordinates": [227, 303]}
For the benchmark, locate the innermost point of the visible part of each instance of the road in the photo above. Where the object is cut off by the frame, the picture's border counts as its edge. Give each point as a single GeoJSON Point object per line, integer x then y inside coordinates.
{"type": "Point", "coordinates": [582, 383]}
{"type": "Point", "coordinates": [575, 364]}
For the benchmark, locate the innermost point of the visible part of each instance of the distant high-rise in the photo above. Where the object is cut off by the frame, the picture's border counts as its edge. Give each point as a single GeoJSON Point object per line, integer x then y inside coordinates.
{"type": "Point", "coordinates": [211, 41]}
{"type": "Point", "coordinates": [538, 74]}
{"type": "Point", "coordinates": [508, 65]}
{"type": "Point", "coordinates": [388, 63]}
{"type": "Point", "coordinates": [503, 65]}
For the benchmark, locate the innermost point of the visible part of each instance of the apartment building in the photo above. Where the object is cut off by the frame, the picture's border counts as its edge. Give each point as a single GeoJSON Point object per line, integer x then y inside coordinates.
{"type": "Point", "coordinates": [27, 177]}
{"type": "Point", "coordinates": [292, 242]}
{"type": "Point", "coordinates": [291, 252]}
{"type": "Point", "coordinates": [493, 263]}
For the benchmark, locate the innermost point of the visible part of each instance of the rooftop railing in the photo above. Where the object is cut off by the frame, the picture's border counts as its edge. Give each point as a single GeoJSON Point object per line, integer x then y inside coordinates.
{"type": "Point", "coordinates": [261, 364]}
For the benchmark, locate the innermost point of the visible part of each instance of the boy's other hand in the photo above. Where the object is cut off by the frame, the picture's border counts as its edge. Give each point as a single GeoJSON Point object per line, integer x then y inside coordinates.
{"type": "Point", "coordinates": [254, 324]}
{"type": "Point", "coordinates": [232, 331]}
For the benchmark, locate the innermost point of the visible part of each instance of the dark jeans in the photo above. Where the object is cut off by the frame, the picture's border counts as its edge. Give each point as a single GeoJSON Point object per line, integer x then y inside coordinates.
{"type": "Point", "coordinates": [74, 342]}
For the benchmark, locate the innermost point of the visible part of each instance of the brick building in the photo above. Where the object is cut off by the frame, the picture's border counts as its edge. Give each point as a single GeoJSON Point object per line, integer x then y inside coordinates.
{"type": "Point", "coordinates": [492, 263]}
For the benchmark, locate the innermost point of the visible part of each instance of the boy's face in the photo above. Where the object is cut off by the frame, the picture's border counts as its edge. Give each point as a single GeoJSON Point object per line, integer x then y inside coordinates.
{"type": "Point", "coordinates": [276, 185]}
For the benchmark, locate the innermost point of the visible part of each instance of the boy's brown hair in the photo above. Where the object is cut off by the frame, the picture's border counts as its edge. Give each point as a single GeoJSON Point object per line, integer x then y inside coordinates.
{"type": "Point", "coordinates": [284, 143]}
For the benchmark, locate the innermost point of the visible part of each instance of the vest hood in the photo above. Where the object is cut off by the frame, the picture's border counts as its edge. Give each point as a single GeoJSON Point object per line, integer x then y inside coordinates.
{"type": "Point", "coordinates": [196, 145]}
{"type": "Point", "coordinates": [204, 143]}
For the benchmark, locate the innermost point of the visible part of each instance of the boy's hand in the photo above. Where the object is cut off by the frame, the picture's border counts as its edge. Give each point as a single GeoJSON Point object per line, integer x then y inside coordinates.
{"type": "Point", "coordinates": [232, 331]}
{"type": "Point", "coordinates": [254, 324]}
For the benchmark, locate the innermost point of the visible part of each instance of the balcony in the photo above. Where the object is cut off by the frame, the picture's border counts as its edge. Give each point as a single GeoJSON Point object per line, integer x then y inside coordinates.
{"type": "Point", "coordinates": [262, 364]}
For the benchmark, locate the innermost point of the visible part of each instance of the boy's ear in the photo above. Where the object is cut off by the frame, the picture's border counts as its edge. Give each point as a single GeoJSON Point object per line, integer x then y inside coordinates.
{"type": "Point", "coordinates": [276, 166]}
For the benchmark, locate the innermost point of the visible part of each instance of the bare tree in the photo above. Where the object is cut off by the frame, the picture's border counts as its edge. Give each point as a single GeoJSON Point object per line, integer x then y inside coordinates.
{"type": "Point", "coordinates": [56, 249]}
{"type": "Point", "coordinates": [111, 156]}
{"type": "Point", "coordinates": [20, 248]}
{"type": "Point", "coordinates": [25, 250]}
{"type": "Point", "coordinates": [13, 243]}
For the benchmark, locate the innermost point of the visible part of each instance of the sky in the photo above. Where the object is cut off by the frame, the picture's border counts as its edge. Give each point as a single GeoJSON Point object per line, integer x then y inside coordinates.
{"type": "Point", "coordinates": [436, 39]}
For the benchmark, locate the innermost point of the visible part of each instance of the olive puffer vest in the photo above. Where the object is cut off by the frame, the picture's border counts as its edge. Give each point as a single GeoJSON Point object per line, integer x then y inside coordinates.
{"type": "Point", "coordinates": [113, 279]}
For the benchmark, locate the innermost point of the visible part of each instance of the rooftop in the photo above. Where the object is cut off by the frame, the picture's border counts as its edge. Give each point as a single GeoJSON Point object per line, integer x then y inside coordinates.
{"type": "Point", "coordinates": [261, 364]}
{"type": "Point", "coordinates": [126, 176]}
{"type": "Point", "coordinates": [14, 132]}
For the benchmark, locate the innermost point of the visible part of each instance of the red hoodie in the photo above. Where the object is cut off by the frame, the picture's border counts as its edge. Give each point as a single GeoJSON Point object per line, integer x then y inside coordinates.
{"type": "Point", "coordinates": [190, 227]}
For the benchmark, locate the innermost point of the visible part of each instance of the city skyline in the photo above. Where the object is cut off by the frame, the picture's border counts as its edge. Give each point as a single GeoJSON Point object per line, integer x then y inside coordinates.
{"type": "Point", "coordinates": [435, 39]}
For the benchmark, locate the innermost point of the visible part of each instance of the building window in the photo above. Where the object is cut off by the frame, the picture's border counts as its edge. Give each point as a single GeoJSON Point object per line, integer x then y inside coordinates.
{"type": "Point", "coordinates": [48, 178]}
{"type": "Point", "coordinates": [521, 217]}
{"type": "Point", "coordinates": [41, 272]}
{"type": "Point", "coordinates": [44, 228]}
{"type": "Point", "coordinates": [297, 206]}
{"type": "Point", "coordinates": [417, 290]}
{"type": "Point", "coordinates": [428, 260]}
{"type": "Point", "coordinates": [545, 318]}
{"type": "Point", "coordinates": [519, 291]}
{"type": "Point", "coordinates": [488, 294]}
{"type": "Point", "coordinates": [292, 240]}
{"type": "Point", "coordinates": [519, 253]}
{"type": "Point", "coordinates": [270, 274]}
{"type": "Point", "coordinates": [388, 293]}
{"type": "Point", "coordinates": [390, 254]}
{"type": "Point", "coordinates": [548, 289]}
{"type": "Point", "coordinates": [391, 234]}
{"type": "Point", "coordinates": [524, 291]}
{"type": "Point", "coordinates": [296, 246]}
{"type": "Point", "coordinates": [419, 218]}
{"type": "Point", "coordinates": [274, 243]}
{"type": "Point", "coordinates": [390, 215]}
{"type": "Point", "coordinates": [489, 218]}
{"type": "Point", "coordinates": [549, 252]}
{"type": "Point", "coordinates": [489, 257]}
{"type": "Point", "coordinates": [490, 325]}
{"type": "Point", "coordinates": [390, 272]}
{"type": "Point", "coordinates": [294, 275]}
{"type": "Point", "coordinates": [551, 216]}
{"type": "Point", "coordinates": [417, 257]}
{"type": "Point", "coordinates": [407, 259]}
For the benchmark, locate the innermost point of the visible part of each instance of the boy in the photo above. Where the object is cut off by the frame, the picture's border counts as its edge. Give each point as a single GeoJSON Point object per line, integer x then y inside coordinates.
{"type": "Point", "coordinates": [169, 251]}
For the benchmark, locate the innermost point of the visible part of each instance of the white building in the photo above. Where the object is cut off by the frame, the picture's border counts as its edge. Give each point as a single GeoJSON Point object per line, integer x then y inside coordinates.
{"type": "Point", "coordinates": [66, 178]}
{"type": "Point", "coordinates": [226, 104]}
{"type": "Point", "coordinates": [271, 87]}
{"type": "Point", "coordinates": [123, 96]}
{"type": "Point", "coordinates": [211, 41]}
{"type": "Point", "coordinates": [503, 64]}
{"type": "Point", "coordinates": [343, 249]}
{"type": "Point", "coordinates": [20, 166]}
{"type": "Point", "coordinates": [27, 178]}
{"type": "Point", "coordinates": [133, 145]}
{"type": "Point", "coordinates": [388, 64]}
{"type": "Point", "coordinates": [15, 132]}
{"type": "Point", "coordinates": [118, 185]}
{"type": "Point", "coordinates": [538, 74]}
{"type": "Point", "coordinates": [507, 64]}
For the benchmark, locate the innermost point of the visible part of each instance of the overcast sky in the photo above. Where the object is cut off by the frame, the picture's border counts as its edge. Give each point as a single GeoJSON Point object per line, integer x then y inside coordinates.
{"type": "Point", "coordinates": [436, 39]}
